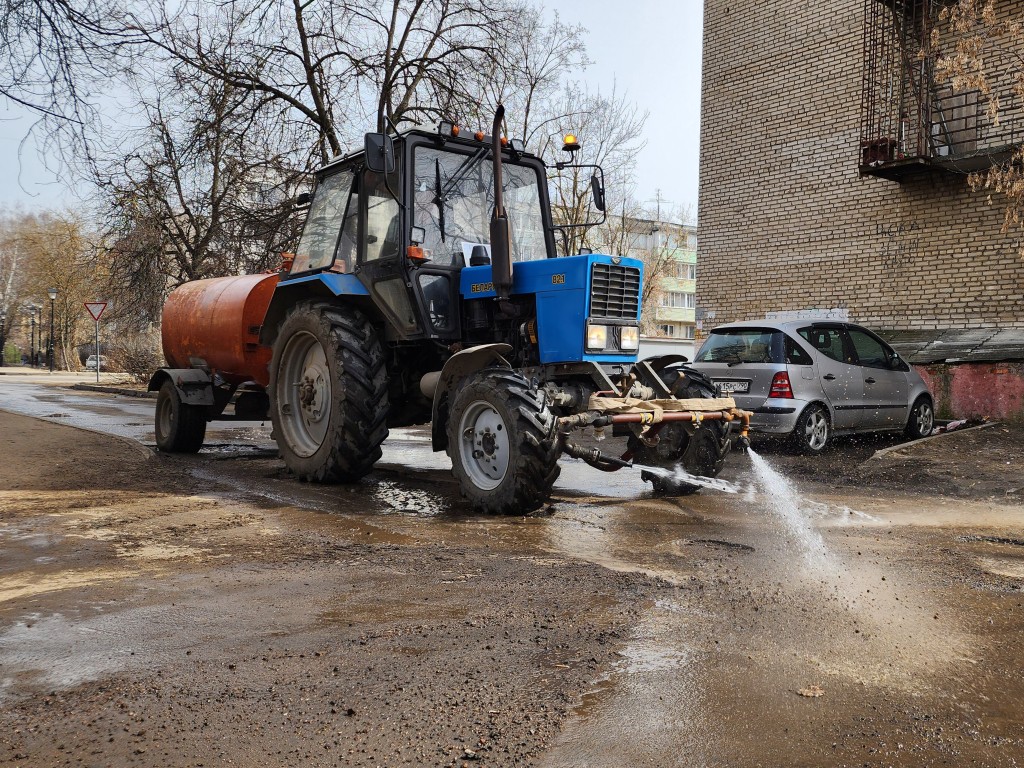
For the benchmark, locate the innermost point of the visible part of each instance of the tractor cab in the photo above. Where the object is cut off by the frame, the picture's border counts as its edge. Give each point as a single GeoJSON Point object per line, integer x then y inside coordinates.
{"type": "Point", "coordinates": [406, 229]}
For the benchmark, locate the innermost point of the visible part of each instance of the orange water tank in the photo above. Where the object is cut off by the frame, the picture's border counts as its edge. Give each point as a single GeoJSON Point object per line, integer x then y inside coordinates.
{"type": "Point", "coordinates": [219, 321]}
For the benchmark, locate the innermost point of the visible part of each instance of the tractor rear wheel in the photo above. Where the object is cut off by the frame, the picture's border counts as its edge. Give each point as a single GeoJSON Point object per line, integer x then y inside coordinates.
{"type": "Point", "coordinates": [328, 393]}
{"type": "Point", "coordinates": [700, 451]}
{"type": "Point", "coordinates": [502, 443]}
{"type": "Point", "coordinates": [180, 427]}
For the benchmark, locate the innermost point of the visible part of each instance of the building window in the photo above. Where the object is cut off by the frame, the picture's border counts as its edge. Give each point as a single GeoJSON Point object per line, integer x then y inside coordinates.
{"type": "Point", "coordinates": [677, 299]}
{"type": "Point", "coordinates": [669, 329]}
{"type": "Point", "coordinates": [688, 332]}
{"type": "Point", "coordinates": [686, 271]}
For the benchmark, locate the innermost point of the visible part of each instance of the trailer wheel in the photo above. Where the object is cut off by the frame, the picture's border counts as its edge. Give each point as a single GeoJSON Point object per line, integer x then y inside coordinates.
{"type": "Point", "coordinates": [502, 443]}
{"type": "Point", "coordinates": [180, 428]}
{"type": "Point", "coordinates": [328, 393]}
{"type": "Point", "coordinates": [700, 453]}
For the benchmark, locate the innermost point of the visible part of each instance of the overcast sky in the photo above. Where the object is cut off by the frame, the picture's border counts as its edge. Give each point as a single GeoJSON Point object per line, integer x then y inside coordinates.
{"type": "Point", "coordinates": [650, 48]}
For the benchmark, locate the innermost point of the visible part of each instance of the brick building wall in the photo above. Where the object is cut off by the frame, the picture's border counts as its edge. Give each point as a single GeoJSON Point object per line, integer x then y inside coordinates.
{"type": "Point", "coordinates": [787, 223]}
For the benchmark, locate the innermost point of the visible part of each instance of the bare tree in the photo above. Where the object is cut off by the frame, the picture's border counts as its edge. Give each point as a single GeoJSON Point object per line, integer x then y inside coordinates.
{"type": "Point", "coordinates": [609, 128]}
{"type": "Point", "coordinates": [54, 251]}
{"type": "Point", "coordinates": [979, 45]}
{"type": "Point", "coordinates": [322, 63]}
{"type": "Point", "coordinates": [205, 193]}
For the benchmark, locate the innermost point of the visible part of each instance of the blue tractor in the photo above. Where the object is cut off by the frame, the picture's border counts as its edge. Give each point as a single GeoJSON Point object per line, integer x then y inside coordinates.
{"type": "Point", "coordinates": [426, 288]}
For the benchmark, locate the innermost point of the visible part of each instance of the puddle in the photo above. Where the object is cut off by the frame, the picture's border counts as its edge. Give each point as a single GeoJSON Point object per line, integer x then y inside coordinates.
{"type": "Point", "coordinates": [1008, 567]}
{"type": "Point", "coordinates": [651, 697]}
{"type": "Point", "coordinates": [401, 497]}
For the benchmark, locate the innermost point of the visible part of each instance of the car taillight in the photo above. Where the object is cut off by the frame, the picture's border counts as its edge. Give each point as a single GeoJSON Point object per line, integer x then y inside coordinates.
{"type": "Point", "coordinates": [781, 386]}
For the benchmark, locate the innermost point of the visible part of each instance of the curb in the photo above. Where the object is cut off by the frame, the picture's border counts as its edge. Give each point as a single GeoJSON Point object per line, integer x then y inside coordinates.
{"type": "Point", "coordinates": [115, 390]}
{"type": "Point", "coordinates": [882, 453]}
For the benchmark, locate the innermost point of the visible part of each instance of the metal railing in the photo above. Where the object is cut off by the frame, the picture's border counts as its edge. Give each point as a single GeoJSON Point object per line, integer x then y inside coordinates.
{"type": "Point", "coordinates": [905, 114]}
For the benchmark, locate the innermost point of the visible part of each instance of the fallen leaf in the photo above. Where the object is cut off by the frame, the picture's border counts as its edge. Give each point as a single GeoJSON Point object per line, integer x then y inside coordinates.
{"type": "Point", "coordinates": [812, 691]}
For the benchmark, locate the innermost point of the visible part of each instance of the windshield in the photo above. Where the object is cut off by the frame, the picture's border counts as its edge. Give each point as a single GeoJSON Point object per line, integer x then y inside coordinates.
{"type": "Point", "coordinates": [742, 345]}
{"type": "Point", "coordinates": [454, 199]}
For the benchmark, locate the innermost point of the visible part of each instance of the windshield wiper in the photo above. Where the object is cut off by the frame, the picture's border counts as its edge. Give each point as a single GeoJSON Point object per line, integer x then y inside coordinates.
{"type": "Point", "coordinates": [441, 195]}
{"type": "Point", "coordinates": [438, 199]}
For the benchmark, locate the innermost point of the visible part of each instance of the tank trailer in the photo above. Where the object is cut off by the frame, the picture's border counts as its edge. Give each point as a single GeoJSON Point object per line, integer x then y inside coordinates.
{"type": "Point", "coordinates": [426, 287]}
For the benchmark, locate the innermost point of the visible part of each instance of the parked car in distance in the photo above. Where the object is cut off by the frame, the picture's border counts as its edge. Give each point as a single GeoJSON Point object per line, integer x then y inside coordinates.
{"type": "Point", "coordinates": [812, 380]}
{"type": "Point", "coordinates": [90, 363]}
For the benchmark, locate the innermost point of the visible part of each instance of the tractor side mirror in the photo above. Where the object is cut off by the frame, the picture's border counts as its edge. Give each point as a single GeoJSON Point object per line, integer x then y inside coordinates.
{"type": "Point", "coordinates": [380, 152]}
{"type": "Point", "coordinates": [597, 189]}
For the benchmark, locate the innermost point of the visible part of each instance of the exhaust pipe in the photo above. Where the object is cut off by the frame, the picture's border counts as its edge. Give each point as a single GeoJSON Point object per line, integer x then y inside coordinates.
{"type": "Point", "coordinates": [501, 238]}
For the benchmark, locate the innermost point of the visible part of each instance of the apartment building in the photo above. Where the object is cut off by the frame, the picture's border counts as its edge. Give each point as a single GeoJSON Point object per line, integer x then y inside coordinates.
{"type": "Point", "coordinates": [834, 180]}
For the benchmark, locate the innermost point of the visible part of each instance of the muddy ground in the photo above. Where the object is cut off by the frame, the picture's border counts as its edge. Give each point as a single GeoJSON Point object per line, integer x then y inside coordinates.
{"type": "Point", "coordinates": [187, 611]}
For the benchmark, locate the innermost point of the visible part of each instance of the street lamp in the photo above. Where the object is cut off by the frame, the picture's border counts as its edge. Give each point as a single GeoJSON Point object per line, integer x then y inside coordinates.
{"type": "Point", "coordinates": [3, 334]}
{"type": "Point", "coordinates": [31, 309]}
{"type": "Point", "coordinates": [53, 298]}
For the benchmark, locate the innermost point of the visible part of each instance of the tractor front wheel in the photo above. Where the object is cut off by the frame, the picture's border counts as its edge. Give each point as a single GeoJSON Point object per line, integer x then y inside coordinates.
{"type": "Point", "coordinates": [502, 443]}
{"type": "Point", "coordinates": [328, 393]}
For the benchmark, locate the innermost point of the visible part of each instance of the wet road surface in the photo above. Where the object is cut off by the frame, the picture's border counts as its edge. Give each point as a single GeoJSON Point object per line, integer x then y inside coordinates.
{"type": "Point", "coordinates": [903, 613]}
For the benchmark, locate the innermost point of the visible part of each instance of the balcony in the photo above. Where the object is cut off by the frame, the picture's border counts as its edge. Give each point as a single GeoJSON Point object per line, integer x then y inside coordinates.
{"type": "Point", "coordinates": [679, 284]}
{"type": "Point", "coordinates": [674, 314]}
{"type": "Point", "coordinates": [911, 124]}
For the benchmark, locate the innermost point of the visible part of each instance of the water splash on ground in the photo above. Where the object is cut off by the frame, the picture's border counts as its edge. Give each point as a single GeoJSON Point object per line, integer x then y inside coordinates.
{"type": "Point", "coordinates": [792, 510]}
{"type": "Point", "coordinates": [679, 475]}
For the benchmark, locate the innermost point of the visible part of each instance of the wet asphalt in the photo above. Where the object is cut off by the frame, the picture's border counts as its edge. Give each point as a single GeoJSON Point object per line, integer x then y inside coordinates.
{"type": "Point", "coordinates": [885, 605]}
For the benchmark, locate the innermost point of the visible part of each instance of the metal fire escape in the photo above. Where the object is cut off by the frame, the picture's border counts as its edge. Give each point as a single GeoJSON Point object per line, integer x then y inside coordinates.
{"type": "Point", "coordinates": [910, 123]}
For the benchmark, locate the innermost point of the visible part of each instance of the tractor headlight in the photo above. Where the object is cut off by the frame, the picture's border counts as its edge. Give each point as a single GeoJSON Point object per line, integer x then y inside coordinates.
{"type": "Point", "coordinates": [629, 338]}
{"type": "Point", "coordinates": [597, 336]}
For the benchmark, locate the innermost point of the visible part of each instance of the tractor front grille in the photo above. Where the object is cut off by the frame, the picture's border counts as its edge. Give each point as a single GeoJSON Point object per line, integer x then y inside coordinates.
{"type": "Point", "coordinates": [614, 291]}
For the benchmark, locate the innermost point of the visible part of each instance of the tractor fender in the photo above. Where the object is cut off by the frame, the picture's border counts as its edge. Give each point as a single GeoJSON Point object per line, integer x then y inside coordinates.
{"type": "Point", "coordinates": [329, 286]}
{"type": "Point", "coordinates": [194, 385]}
{"type": "Point", "coordinates": [457, 368]}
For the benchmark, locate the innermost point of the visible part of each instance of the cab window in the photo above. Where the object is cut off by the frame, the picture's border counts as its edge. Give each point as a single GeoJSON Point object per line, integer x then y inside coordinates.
{"type": "Point", "coordinates": [383, 228]}
{"type": "Point", "coordinates": [453, 198]}
{"type": "Point", "coordinates": [320, 236]}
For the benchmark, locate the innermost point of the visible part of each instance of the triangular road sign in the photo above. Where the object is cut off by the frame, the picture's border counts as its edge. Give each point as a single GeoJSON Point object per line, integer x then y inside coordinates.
{"type": "Point", "coordinates": [95, 308]}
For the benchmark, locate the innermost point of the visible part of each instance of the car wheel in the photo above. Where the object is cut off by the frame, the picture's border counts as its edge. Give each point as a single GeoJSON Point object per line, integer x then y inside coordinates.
{"type": "Point", "coordinates": [922, 419]}
{"type": "Point", "coordinates": [813, 430]}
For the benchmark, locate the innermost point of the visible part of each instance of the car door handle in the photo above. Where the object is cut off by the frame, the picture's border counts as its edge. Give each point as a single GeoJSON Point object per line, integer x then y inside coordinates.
{"type": "Point", "coordinates": [829, 377]}
{"type": "Point", "coordinates": [869, 381]}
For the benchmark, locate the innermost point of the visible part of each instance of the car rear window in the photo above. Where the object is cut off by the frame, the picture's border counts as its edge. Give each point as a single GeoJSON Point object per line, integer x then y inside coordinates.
{"type": "Point", "coordinates": [743, 345]}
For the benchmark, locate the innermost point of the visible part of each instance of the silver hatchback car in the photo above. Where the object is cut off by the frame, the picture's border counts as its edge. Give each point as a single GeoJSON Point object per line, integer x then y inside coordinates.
{"type": "Point", "coordinates": [812, 380]}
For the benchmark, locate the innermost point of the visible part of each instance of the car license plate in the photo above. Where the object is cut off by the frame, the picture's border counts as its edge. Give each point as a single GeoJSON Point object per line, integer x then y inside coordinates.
{"type": "Point", "coordinates": [733, 387]}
